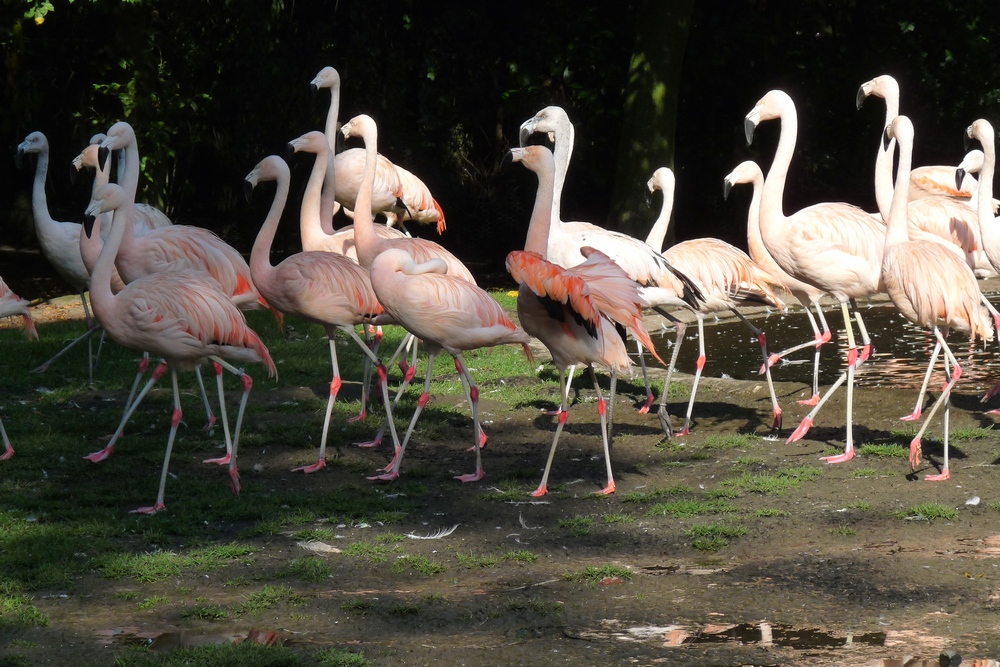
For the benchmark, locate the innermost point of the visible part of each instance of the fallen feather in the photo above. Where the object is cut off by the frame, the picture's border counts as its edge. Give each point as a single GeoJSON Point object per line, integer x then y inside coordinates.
{"type": "Point", "coordinates": [442, 532]}
{"type": "Point", "coordinates": [318, 547]}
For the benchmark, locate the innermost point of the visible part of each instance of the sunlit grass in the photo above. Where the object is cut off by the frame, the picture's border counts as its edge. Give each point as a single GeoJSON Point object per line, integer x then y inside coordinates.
{"type": "Point", "coordinates": [928, 511]}
{"type": "Point", "coordinates": [884, 451]}
{"type": "Point", "coordinates": [713, 536]}
{"type": "Point", "coordinates": [596, 573]}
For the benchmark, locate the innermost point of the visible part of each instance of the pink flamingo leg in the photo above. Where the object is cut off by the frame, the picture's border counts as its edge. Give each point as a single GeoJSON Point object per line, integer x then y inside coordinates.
{"type": "Point", "coordinates": [918, 410]}
{"type": "Point", "coordinates": [565, 395]}
{"type": "Point", "coordinates": [102, 454]}
{"type": "Point", "coordinates": [762, 341]}
{"type": "Point", "coordinates": [563, 418]}
{"type": "Point", "coordinates": [204, 399]}
{"type": "Point", "coordinates": [821, 339]}
{"type": "Point", "coordinates": [650, 399]}
{"type": "Point", "coordinates": [8, 449]}
{"type": "Point", "coordinates": [227, 459]}
{"type": "Point", "coordinates": [699, 365]}
{"type": "Point", "coordinates": [335, 385]}
{"type": "Point", "coordinates": [234, 473]}
{"type": "Point", "coordinates": [408, 374]}
{"type": "Point", "coordinates": [662, 413]}
{"type": "Point", "coordinates": [602, 409]}
{"type": "Point", "coordinates": [392, 470]}
{"type": "Point", "coordinates": [175, 421]}
{"type": "Point", "coordinates": [477, 428]}
{"type": "Point", "coordinates": [944, 398]}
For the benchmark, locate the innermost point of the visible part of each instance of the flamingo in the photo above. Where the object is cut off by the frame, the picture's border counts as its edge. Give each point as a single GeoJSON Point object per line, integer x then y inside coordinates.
{"type": "Point", "coordinates": [321, 287]}
{"type": "Point", "coordinates": [835, 247]}
{"type": "Point", "coordinates": [661, 285]}
{"type": "Point", "coordinates": [449, 314]}
{"type": "Point", "coordinates": [401, 197]}
{"type": "Point", "coordinates": [370, 245]}
{"type": "Point", "coordinates": [930, 287]}
{"type": "Point", "coordinates": [12, 304]}
{"type": "Point", "coordinates": [807, 295]}
{"type": "Point", "coordinates": [185, 318]}
{"type": "Point", "coordinates": [573, 311]}
{"type": "Point", "coordinates": [727, 277]}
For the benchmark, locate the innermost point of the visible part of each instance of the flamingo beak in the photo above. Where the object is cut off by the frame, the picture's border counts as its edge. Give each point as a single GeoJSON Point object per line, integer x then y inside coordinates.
{"type": "Point", "coordinates": [88, 224]}
{"type": "Point", "coordinates": [862, 94]}
{"type": "Point", "coordinates": [727, 187]}
{"type": "Point", "coordinates": [748, 129]}
{"type": "Point", "coordinates": [886, 139]}
{"type": "Point", "coordinates": [959, 177]}
{"type": "Point", "coordinates": [103, 153]}
{"type": "Point", "coordinates": [247, 189]}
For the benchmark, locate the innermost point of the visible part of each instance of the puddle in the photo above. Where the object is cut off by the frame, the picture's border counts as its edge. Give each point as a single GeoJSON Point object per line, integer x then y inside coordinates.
{"type": "Point", "coordinates": [901, 351]}
{"type": "Point", "coordinates": [776, 634]}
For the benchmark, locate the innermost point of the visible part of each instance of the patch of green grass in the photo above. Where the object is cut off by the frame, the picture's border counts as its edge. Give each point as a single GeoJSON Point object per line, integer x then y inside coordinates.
{"type": "Point", "coordinates": [713, 536]}
{"type": "Point", "coordinates": [594, 574]}
{"type": "Point", "coordinates": [866, 473]}
{"type": "Point", "coordinates": [536, 605]}
{"type": "Point", "coordinates": [777, 484]}
{"type": "Point", "coordinates": [974, 433]}
{"type": "Point", "coordinates": [338, 657]}
{"type": "Point", "coordinates": [358, 605]}
{"type": "Point", "coordinates": [144, 568]}
{"type": "Point", "coordinates": [205, 612]}
{"type": "Point", "coordinates": [618, 518]}
{"type": "Point", "coordinates": [434, 598]}
{"type": "Point", "coordinates": [766, 512]}
{"type": "Point", "coordinates": [884, 451]}
{"type": "Point", "coordinates": [404, 609]}
{"type": "Point", "coordinates": [649, 495]}
{"type": "Point", "coordinates": [152, 602]}
{"type": "Point", "coordinates": [307, 568]}
{"type": "Point", "coordinates": [520, 557]}
{"type": "Point", "coordinates": [265, 598]}
{"type": "Point", "coordinates": [245, 654]}
{"type": "Point", "coordinates": [16, 610]}
{"type": "Point", "coordinates": [929, 511]}
{"type": "Point", "coordinates": [749, 461]}
{"type": "Point", "coordinates": [237, 582]}
{"type": "Point", "coordinates": [389, 538]}
{"type": "Point", "coordinates": [472, 561]}
{"type": "Point", "coordinates": [126, 595]}
{"type": "Point", "coordinates": [995, 506]}
{"type": "Point", "coordinates": [723, 494]}
{"type": "Point", "coordinates": [843, 531]}
{"type": "Point", "coordinates": [860, 505]}
{"type": "Point", "coordinates": [422, 565]}
{"type": "Point", "coordinates": [578, 526]}
{"type": "Point", "coordinates": [731, 441]}
{"type": "Point", "coordinates": [373, 553]}
{"type": "Point", "coordinates": [689, 508]}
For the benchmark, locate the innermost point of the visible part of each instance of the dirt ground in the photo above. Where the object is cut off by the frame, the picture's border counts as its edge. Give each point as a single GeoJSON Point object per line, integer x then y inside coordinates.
{"type": "Point", "coordinates": [838, 571]}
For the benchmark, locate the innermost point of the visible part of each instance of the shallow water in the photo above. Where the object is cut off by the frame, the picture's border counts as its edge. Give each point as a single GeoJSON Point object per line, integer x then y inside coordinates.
{"type": "Point", "coordinates": [901, 350]}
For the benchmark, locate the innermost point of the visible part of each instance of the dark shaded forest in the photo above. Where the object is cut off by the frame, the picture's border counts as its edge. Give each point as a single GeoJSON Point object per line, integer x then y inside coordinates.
{"type": "Point", "coordinates": [211, 88]}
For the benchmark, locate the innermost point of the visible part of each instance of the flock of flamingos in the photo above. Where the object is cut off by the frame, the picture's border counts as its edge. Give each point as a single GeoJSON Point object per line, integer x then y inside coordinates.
{"type": "Point", "coordinates": [176, 292]}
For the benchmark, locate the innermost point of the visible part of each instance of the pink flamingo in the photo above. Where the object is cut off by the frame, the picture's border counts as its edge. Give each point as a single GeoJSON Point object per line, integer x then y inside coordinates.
{"type": "Point", "coordinates": [183, 317]}
{"type": "Point", "coordinates": [833, 246]}
{"type": "Point", "coordinates": [728, 280]}
{"type": "Point", "coordinates": [449, 314]}
{"type": "Point", "coordinates": [930, 286]}
{"type": "Point", "coordinates": [370, 245]}
{"type": "Point", "coordinates": [12, 304]}
{"type": "Point", "coordinates": [573, 311]}
{"type": "Point", "coordinates": [662, 286]}
{"type": "Point", "coordinates": [321, 287]}
{"type": "Point", "coordinates": [807, 295]}
{"type": "Point", "coordinates": [400, 196]}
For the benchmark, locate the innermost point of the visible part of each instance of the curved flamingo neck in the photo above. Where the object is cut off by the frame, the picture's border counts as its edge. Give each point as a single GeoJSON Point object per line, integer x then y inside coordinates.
{"type": "Point", "coordinates": [39, 203]}
{"type": "Point", "coordinates": [984, 206]}
{"type": "Point", "coordinates": [774, 184]}
{"type": "Point", "coordinates": [129, 175]}
{"type": "Point", "coordinates": [311, 215]}
{"type": "Point", "coordinates": [260, 256]}
{"type": "Point", "coordinates": [883, 159]}
{"type": "Point", "coordinates": [330, 181]}
{"type": "Point", "coordinates": [541, 215]}
{"type": "Point", "coordinates": [102, 298]}
{"type": "Point", "coordinates": [563, 152]}
{"type": "Point", "coordinates": [368, 244]}
{"type": "Point", "coordinates": [755, 242]}
{"type": "Point", "coordinates": [896, 220]}
{"type": "Point", "coordinates": [659, 230]}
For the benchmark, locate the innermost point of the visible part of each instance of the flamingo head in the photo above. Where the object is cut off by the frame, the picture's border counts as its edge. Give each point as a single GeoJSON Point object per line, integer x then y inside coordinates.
{"type": "Point", "coordinates": [883, 86]}
{"type": "Point", "coordinates": [33, 143]}
{"type": "Point", "coordinates": [536, 158]}
{"type": "Point", "coordinates": [271, 168]}
{"type": "Point", "coordinates": [107, 198]}
{"type": "Point", "coordinates": [361, 125]}
{"type": "Point", "coordinates": [769, 107]}
{"type": "Point", "coordinates": [310, 142]}
{"type": "Point", "coordinates": [747, 171]}
{"type": "Point", "coordinates": [549, 121]}
{"type": "Point", "coordinates": [326, 78]}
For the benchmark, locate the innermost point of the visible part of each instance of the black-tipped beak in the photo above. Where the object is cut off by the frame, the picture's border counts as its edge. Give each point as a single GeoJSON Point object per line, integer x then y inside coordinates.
{"type": "Point", "coordinates": [88, 224]}
{"type": "Point", "coordinates": [523, 135]}
{"type": "Point", "coordinates": [861, 97]}
{"type": "Point", "coordinates": [966, 140]}
{"type": "Point", "coordinates": [18, 158]}
{"type": "Point", "coordinates": [313, 89]}
{"type": "Point", "coordinates": [289, 151]}
{"type": "Point", "coordinates": [959, 177]}
{"type": "Point", "coordinates": [886, 139]}
{"type": "Point", "coordinates": [401, 204]}
{"type": "Point", "coordinates": [247, 190]}
{"type": "Point", "coordinates": [727, 187]}
{"type": "Point", "coordinates": [103, 153]}
{"type": "Point", "coordinates": [507, 160]}
{"type": "Point", "coordinates": [648, 198]}
{"type": "Point", "coordinates": [748, 129]}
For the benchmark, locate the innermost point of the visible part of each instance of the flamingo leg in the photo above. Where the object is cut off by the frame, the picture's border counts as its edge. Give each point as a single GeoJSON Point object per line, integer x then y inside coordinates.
{"type": "Point", "coordinates": [204, 399]}
{"type": "Point", "coordinates": [563, 418]}
{"type": "Point", "coordinates": [645, 376]}
{"type": "Point", "coordinates": [565, 390]}
{"type": "Point", "coordinates": [821, 339]}
{"type": "Point", "coordinates": [611, 398]}
{"type": "Point", "coordinates": [8, 449]}
{"type": "Point", "coordinates": [102, 454]}
{"type": "Point", "coordinates": [662, 413]}
{"type": "Point", "coordinates": [467, 386]}
{"type": "Point", "coordinates": [996, 325]}
{"type": "Point", "coordinates": [234, 473]}
{"type": "Point", "coordinates": [409, 372]}
{"type": "Point", "coordinates": [762, 339]}
{"type": "Point", "coordinates": [85, 336]}
{"type": "Point", "coordinates": [175, 421]}
{"type": "Point", "coordinates": [601, 411]}
{"type": "Point", "coordinates": [222, 460]}
{"type": "Point", "coordinates": [140, 371]}
{"type": "Point", "coordinates": [818, 340]}
{"type": "Point", "coordinates": [478, 436]}
{"type": "Point", "coordinates": [918, 410]}
{"type": "Point", "coordinates": [100, 346]}
{"type": "Point", "coordinates": [392, 470]}
{"type": "Point", "coordinates": [382, 376]}
{"type": "Point", "coordinates": [699, 365]}
{"type": "Point", "coordinates": [372, 344]}
{"type": "Point", "coordinates": [944, 398]}
{"type": "Point", "coordinates": [335, 385]}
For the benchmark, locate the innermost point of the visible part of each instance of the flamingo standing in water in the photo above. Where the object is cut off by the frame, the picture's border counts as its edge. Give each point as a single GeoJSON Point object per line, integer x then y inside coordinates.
{"type": "Point", "coordinates": [12, 304]}
{"type": "Point", "coordinates": [449, 314]}
{"type": "Point", "coordinates": [662, 286]}
{"type": "Point", "coordinates": [573, 311]}
{"type": "Point", "coordinates": [727, 277]}
{"type": "Point", "coordinates": [833, 246]}
{"type": "Point", "coordinates": [185, 318]}
{"type": "Point", "coordinates": [321, 287]}
{"type": "Point", "coordinates": [930, 286]}
{"type": "Point", "coordinates": [807, 295]}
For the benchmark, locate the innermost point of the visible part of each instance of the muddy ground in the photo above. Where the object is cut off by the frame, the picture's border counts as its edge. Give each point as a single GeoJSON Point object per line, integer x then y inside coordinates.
{"type": "Point", "coordinates": [835, 571]}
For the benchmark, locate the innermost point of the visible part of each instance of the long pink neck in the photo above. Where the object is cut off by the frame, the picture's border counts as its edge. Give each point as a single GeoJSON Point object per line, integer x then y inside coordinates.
{"type": "Point", "coordinates": [311, 215]}
{"type": "Point", "coordinates": [541, 215]}
{"type": "Point", "coordinates": [261, 269]}
{"type": "Point", "coordinates": [102, 297]}
{"type": "Point", "coordinates": [883, 159]}
{"type": "Point", "coordinates": [662, 224]}
{"type": "Point", "coordinates": [563, 153]}
{"type": "Point", "coordinates": [755, 242]}
{"type": "Point", "coordinates": [771, 214]}
{"type": "Point", "coordinates": [369, 245]}
{"type": "Point", "coordinates": [987, 222]}
{"type": "Point", "coordinates": [896, 220]}
{"type": "Point", "coordinates": [330, 180]}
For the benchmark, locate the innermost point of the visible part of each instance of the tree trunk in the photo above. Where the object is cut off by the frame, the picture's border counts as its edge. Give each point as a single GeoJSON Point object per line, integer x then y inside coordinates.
{"type": "Point", "coordinates": [650, 115]}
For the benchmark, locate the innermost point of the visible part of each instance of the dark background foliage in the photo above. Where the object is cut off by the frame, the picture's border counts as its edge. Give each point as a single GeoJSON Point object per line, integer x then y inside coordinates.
{"type": "Point", "coordinates": [212, 87]}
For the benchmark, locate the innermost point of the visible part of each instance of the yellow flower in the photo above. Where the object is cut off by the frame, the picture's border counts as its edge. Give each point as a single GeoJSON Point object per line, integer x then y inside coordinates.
{"type": "Point", "coordinates": [512, 292]}
{"type": "Point", "coordinates": [39, 20]}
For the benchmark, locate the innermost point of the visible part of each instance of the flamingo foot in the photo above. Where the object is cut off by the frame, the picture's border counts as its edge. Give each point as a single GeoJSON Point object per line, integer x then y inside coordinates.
{"type": "Point", "coordinates": [222, 460]}
{"type": "Point", "coordinates": [991, 393]}
{"type": "Point", "coordinates": [684, 431]}
{"type": "Point", "coordinates": [153, 509]}
{"type": "Point", "coordinates": [100, 455]}
{"type": "Point", "coordinates": [994, 412]}
{"type": "Point", "coordinates": [540, 491]}
{"type": "Point", "coordinates": [552, 413]}
{"type": "Point", "coordinates": [608, 490]}
{"type": "Point", "coordinates": [358, 417]}
{"type": "Point", "coordinates": [370, 443]}
{"type": "Point", "coordinates": [777, 420]}
{"type": "Point", "coordinates": [771, 361]}
{"type": "Point", "coordinates": [388, 477]}
{"type": "Point", "coordinates": [482, 442]}
{"type": "Point", "coordinates": [801, 431]}
{"type": "Point", "coordinates": [914, 453]}
{"type": "Point", "coordinates": [650, 399]}
{"type": "Point", "coordinates": [839, 458]}
{"type": "Point", "coordinates": [234, 481]}
{"type": "Point", "coordinates": [211, 423]}
{"type": "Point", "coordinates": [315, 467]}
{"type": "Point", "coordinates": [471, 477]}
{"type": "Point", "coordinates": [912, 417]}
{"type": "Point", "coordinates": [7, 454]}
{"type": "Point", "coordinates": [945, 475]}
{"type": "Point", "coordinates": [810, 401]}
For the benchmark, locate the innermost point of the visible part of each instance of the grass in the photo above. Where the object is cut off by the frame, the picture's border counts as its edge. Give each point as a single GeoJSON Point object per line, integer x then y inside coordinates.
{"type": "Point", "coordinates": [647, 495]}
{"type": "Point", "coordinates": [578, 526]}
{"type": "Point", "coordinates": [421, 565]}
{"type": "Point", "coordinates": [266, 598]}
{"type": "Point", "coordinates": [690, 508]}
{"type": "Point", "coordinates": [308, 568]}
{"type": "Point", "coordinates": [884, 451]}
{"type": "Point", "coordinates": [337, 657]}
{"type": "Point", "coordinates": [713, 536]}
{"type": "Point", "coordinates": [732, 441]}
{"type": "Point", "coordinates": [928, 511]}
{"type": "Point", "coordinates": [472, 561]}
{"type": "Point", "coordinates": [596, 574]}
{"type": "Point", "coordinates": [245, 654]}
{"type": "Point", "coordinates": [777, 484]}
